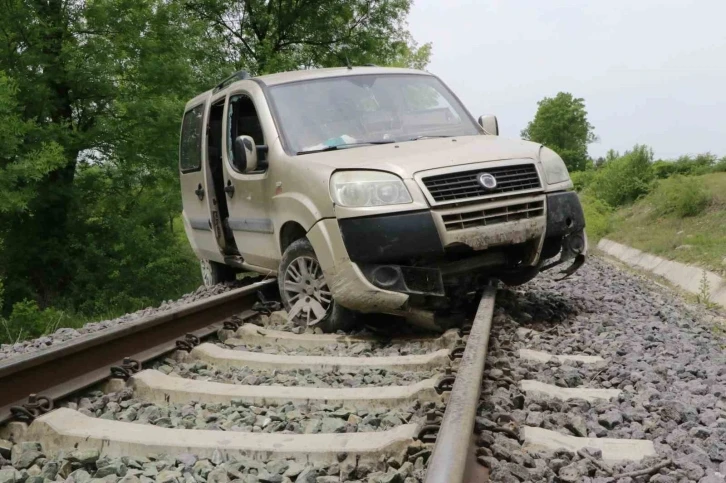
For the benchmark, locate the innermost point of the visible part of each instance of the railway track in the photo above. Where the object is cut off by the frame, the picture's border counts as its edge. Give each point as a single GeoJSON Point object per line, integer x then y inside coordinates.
{"type": "Point", "coordinates": [256, 404]}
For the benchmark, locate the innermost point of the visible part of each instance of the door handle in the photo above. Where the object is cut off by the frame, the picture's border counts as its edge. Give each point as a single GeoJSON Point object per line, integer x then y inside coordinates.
{"type": "Point", "coordinates": [199, 192]}
{"type": "Point", "coordinates": [229, 189]}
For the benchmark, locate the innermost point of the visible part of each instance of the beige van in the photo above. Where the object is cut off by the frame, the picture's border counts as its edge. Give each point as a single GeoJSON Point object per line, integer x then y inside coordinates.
{"type": "Point", "coordinates": [368, 189]}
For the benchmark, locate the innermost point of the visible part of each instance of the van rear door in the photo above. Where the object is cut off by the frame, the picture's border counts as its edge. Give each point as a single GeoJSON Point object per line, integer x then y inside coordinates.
{"type": "Point", "coordinates": [197, 191]}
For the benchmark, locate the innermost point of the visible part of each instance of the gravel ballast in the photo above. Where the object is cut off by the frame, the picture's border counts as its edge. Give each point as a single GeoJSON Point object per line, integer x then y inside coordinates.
{"type": "Point", "coordinates": [240, 416]}
{"type": "Point", "coordinates": [668, 363]}
{"type": "Point", "coordinates": [295, 377]}
{"type": "Point", "coordinates": [360, 349]}
{"type": "Point", "coordinates": [28, 464]}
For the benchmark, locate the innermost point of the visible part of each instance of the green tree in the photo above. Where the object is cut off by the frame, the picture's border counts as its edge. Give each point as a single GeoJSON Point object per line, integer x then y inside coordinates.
{"type": "Point", "coordinates": [22, 164]}
{"type": "Point", "coordinates": [266, 36]}
{"type": "Point", "coordinates": [93, 91]}
{"type": "Point", "coordinates": [561, 124]}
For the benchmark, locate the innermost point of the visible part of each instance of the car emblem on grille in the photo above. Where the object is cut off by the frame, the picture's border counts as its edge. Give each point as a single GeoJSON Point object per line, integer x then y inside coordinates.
{"type": "Point", "coordinates": [487, 181]}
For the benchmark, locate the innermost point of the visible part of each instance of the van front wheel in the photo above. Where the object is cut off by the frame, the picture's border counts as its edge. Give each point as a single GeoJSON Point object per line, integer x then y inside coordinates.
{"type": "Point", "coordinates": [305, 293]}
{"type": "Point", "coordinates": [215, 272]}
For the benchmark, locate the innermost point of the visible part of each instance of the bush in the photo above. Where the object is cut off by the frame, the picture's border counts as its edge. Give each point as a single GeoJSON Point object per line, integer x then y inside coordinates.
{"type": "Point", "coordinates": [719, 167]}
{"type": "Point", "coordinates": [582, 179]}
{"type": "Point", "coordinates": [27, 321]}
{"type": "Point", "coordinates": [685, 165]}
{"type": "Point", "coordinates": [623, 180]}
{"type": "Point", "coordinates": [679, 195]}
{"type": "Point", "coordinates": [598, 216]}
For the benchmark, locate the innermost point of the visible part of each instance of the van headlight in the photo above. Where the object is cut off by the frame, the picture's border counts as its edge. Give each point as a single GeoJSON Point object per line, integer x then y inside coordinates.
{"type": "Point", "coordinates": [368, 188]}
{"type": "Point", "coordinates": [554, 168]}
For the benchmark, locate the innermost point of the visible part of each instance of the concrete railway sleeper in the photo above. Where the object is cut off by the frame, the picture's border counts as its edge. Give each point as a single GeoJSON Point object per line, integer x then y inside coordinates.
{"type": "Point", "coordinates": [448, 409]}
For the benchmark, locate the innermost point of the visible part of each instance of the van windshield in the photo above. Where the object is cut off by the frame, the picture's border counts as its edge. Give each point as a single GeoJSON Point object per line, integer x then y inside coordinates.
{"type": "Point", "coordinates": [323, 114]}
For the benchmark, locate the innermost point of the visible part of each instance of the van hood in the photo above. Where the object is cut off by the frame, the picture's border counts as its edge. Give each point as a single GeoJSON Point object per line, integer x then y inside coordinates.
{"type": "Point", "coordinates": [408, 158]}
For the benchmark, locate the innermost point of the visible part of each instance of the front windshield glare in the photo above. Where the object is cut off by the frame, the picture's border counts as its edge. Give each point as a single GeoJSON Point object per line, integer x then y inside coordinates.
{"type": "Point", "coordinates": [356, 110]}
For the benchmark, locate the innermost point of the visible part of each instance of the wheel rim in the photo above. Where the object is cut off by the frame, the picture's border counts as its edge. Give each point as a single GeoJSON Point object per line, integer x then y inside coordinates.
{"type": "Point", "coordinates": [207, 276]}
{"type": "Point", "coordinates": [306, 292]}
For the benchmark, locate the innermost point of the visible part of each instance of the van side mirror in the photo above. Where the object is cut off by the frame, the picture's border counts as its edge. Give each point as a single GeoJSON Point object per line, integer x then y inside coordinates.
{"type": "Point", "coordinates": [245, 154]}
{"type": "Point", "coordinates": [490, 124]}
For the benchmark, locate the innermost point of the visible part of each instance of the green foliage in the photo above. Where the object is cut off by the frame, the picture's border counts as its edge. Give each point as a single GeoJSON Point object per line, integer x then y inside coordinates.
{"type": "Point", "coordinates": [263, 36]}
{"type": "Point", "coordinates": [698, 240]}
{"type": "Point", "coordinates": [624, 179]}
{"type": "Point", "coordinates": [90, 103]}
{"type": "Point", "coordinates": [130, 240]}
{"type": "Point", "coordinates": [598, 215]}
{"type": "Point", "coordinates": [22, 165]}
{"type": "Point", "coordinates": [720, 166]}
{"type": "Point", "coordinates": [28, 321]}
{"type": "Point", "coordinates": [561, 124]}
{"type": "Point", "coordinates": [704, 291]}
{"type": "Point", "coordinates": [679, 195]}
{"type": "Point", "coordinates": [685, 165]}
{"type": "Point", "coordinates": [582, 179]}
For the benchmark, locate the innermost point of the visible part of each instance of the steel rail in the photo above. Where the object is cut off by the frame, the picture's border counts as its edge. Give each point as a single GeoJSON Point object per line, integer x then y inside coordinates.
{"type": "Point", "coordinates": [448, 463]}
{"type": "Point", "coordinates": [81, 362]}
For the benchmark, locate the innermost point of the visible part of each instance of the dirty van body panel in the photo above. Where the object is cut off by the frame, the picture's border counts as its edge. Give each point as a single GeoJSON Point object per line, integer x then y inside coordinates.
{"type": "Point", "coordinates": [407, 158]}
{"type": "Point", "coordinates": [198, 196]}
{"type": "Point", "coordinates": [248, 194]}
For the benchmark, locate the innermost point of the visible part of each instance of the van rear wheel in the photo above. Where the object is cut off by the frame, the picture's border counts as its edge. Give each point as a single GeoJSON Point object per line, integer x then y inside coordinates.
{"type": "Point", "coordinates": [305, 293]}
{"type": "Point", "coordinates": [215, 272]}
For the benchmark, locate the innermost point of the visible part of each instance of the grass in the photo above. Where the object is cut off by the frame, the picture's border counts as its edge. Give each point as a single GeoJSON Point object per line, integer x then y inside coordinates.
{"type": "Point", "coordinates": [698, 240]}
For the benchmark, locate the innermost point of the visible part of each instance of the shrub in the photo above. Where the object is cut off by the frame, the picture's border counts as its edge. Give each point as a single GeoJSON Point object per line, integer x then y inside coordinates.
{"type": "Point", "coordinates": [719, 167]}
{"type": "Point", "coordinates": [598, 216]}
{"type": "Point", "coordinates": [624, 179]}
{"type": "Point", "coordinates": [679, 195]}
{"type": "Point", "coordinates": [582, 179]}
{"type": "Point", "coordinates": [27, 321]}
{"type": "Point", "coordinates": [685, 165]}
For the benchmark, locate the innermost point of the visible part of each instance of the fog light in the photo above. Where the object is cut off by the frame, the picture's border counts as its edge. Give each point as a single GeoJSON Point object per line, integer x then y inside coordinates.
{"type": "Point", "coordinates": [385, 276]}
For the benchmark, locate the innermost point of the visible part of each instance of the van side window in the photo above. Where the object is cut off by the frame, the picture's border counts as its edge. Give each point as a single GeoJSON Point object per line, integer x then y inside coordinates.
{"type": "Point", "coordinates": [190, 145]}
{"type": "Point", "coordinates": [243, 121]}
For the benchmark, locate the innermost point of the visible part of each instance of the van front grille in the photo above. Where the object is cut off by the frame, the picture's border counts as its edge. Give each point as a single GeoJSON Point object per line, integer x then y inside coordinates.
{"type": "Point", "coordinates": [493, 216]}
{"type": "Point", "coordinates": [465, 184]}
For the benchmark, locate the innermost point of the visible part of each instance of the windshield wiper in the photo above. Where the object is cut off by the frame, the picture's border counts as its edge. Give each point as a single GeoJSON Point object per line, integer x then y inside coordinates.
{"type": "Point", "coordinates": [347, 145]}
{"type": "Point", "coordinates": [426, 136]}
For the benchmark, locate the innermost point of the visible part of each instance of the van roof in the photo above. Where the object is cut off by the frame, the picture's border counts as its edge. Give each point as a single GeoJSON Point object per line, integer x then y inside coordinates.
{"type": "Point", "coordinates": [308, 74]}
{"type": "Point", "coordinates": [301, 75]}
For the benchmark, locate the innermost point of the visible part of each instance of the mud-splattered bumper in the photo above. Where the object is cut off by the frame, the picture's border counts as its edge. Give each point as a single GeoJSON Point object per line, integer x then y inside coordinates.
{"type": "Point", "coordinates": [365, 259]}
{"type": "Point", "coordinates": [349, 286]}
{"type": "Point", "coordinates": [566, 227]}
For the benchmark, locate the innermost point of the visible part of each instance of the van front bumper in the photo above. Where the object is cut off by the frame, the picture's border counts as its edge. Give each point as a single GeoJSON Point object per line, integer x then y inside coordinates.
{"type": "Point", "coordinates": [352, 250]}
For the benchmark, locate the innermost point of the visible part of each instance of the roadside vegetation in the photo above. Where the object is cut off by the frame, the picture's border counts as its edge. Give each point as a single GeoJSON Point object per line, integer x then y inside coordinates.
{"type": "Point", "coordinates": [675, 208]}
{"type": "Point", "coordinates": [683, 219]}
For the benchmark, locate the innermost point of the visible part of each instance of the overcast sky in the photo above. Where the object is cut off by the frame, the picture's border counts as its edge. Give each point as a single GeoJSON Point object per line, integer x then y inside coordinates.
{"type": "Point", "coordinates": [650, 71]}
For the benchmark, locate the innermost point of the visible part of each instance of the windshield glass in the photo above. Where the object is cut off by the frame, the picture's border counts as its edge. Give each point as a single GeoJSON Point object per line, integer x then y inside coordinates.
{"type": "Point", "coordinates": [357, 110]}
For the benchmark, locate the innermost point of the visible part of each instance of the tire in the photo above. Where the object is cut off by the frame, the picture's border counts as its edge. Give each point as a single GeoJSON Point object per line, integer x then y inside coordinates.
{"type": "Point", "coordinates": [518, 278]}
{"type": "Point", "coordinates": [300, 276]}
{"type": "Point", "coordinates": [214, 273]}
